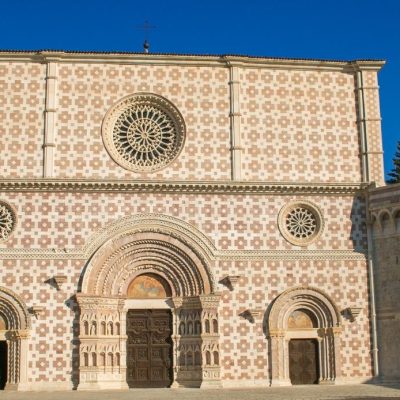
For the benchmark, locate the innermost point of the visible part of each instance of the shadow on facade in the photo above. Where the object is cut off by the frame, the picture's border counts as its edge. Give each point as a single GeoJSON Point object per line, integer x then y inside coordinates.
{"type": "Point", "coordinates": [358, 231]}
{"type": "Point", "coordinates": [267, 335]}
{"type": "Point", "coordinates": [72, 304]}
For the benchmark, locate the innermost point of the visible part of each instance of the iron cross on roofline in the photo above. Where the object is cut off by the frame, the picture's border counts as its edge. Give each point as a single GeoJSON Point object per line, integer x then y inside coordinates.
{"type": "Point", "coordinates": [146, 27]}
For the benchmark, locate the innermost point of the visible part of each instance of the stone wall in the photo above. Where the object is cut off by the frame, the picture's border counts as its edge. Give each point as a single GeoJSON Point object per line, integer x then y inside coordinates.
{"type": "Point", "coordinates": [384, 206]}
{"type": "Point", "coordinates": [261, 135]}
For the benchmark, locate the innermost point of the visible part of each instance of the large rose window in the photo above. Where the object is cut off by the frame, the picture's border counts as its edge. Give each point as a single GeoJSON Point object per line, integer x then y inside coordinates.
{"type": "Point", "coordinates": [143, 132]}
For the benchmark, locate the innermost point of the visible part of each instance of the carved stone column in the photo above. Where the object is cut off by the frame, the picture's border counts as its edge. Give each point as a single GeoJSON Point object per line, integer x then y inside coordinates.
{"type": "Point", "coordinates": [337, 358]}
{"type": "Point", "coordinates": [210, 341]}
{"type": "Point", "coordinates": [102, 343]}
{"type": "Point", "coordinates": [196, 342]}
{"type": "Point", "coordinates": [17, 375]}
{"type": "Point", "coordinates": [279, 354]}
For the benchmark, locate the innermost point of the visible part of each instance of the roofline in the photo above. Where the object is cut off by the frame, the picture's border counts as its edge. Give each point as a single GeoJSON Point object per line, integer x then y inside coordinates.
{"type": "Point", "coordinates": [173, 58]}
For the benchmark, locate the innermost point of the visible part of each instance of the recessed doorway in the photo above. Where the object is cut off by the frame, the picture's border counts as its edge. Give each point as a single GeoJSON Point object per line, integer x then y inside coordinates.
{"type": "Point", "coordinates": [303, 361]}
{"type": "Point", "coordinates": [3, 364]}
{"type": "Point", "coordinates": [149, 348]}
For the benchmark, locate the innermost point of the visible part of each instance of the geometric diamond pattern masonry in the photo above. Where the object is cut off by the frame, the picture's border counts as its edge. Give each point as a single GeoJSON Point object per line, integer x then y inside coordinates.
{"type": "Point", "coordinates": [238, 185]}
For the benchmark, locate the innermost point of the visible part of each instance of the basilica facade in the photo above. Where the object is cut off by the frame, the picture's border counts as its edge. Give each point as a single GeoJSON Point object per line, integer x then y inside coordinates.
{"type": "Point", "coordinates": [186, 221]}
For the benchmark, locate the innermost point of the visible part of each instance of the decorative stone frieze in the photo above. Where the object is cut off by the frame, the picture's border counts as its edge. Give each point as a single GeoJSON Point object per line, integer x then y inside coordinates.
{"type": "Point", "coordinates": [223, 187]}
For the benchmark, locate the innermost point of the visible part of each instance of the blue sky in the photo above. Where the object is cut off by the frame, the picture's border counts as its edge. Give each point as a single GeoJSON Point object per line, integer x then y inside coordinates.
{"type": "Point", "coordinates": [340, 29]}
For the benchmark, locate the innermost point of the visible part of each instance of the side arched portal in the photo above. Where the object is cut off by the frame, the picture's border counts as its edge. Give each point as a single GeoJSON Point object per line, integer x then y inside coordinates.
{"type": "Point", "coordinates": [14, 332]}
{"type": "Point", "coordinates": [177, 270]}
{"type": "Point", "coordinates": [309, 314]}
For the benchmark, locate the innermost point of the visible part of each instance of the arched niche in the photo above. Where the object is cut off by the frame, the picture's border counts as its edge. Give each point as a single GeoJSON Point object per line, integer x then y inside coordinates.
{"type": "Point", "coordinates": [302, 319]}
{"type": "Point", "coordinates": [386, 222]}
{"type": "Point", "coordinates": [148, 286]}
{"type": "Point", "coordinates": [15, 325]}
{"type": "Point", "coordinates": [304, 313]}
{"type": "Point", "coordinates": [396, 219]}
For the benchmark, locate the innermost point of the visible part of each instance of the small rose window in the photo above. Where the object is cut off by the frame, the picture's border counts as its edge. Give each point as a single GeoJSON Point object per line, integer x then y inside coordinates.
{"type": "Point", "coordinates": [7, 220]}
{"type": "Point", "coordinates": [300, 222]}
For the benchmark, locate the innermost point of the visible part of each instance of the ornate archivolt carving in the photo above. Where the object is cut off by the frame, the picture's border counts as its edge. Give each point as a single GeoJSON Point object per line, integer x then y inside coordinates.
{"type": "Point", "coordinates": [14, 310]}
{"type": "Point", "coordinates": [186, 233]}
{"type": "Point", "coordinates": [121, 259]}
{"type": "Point", "coordinates": [303, 298]}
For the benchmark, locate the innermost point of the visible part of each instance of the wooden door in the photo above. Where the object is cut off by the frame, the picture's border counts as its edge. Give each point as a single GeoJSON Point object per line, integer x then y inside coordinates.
{"type": "Point", "coordinates": [303, 361]}
{"type": "Point", "coordinates": [149, 348]}
{"type": "Point", "coordinates": [3, 364]}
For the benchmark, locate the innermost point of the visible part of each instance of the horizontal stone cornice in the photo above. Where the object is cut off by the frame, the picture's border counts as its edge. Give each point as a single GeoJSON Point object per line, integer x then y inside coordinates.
{"type": "Point", "coordinates": [44, 56]}
{"type": "Point", "coordinates": [187, 187]}
{"type": "Point", "coordinates": [231, 255]}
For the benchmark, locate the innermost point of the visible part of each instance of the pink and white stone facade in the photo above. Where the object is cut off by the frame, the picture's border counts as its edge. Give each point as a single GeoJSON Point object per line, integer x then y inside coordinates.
{"type": "Point", "coordinates": [260, 133]}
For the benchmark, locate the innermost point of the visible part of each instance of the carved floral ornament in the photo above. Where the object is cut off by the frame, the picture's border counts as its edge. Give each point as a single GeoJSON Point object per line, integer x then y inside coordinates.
{"type": "Point", "coordinates": [8, 220]}
{"type": "Point", "coordinates": [143, 132]}
{"type": "Point", "coordinates": [300, 222]}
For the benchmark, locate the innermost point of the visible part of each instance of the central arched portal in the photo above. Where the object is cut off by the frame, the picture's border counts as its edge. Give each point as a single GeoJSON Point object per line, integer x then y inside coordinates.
{"type": "Point", "coordinates": [148, 313]}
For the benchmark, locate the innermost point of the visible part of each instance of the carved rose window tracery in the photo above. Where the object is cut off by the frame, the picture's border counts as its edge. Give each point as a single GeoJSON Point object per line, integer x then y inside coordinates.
{"type": "Point", "coordinates": [7, 220]}
{"type": "Point", "coordinates": [143, 132]}
{"type": "Point", "coordinates": [300, 223]}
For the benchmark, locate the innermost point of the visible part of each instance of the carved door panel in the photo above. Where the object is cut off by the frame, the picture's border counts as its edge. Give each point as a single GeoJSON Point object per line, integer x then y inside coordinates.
{"type": "Point", "coordinates": [149, 348]}
{"type": "Point", "coordinates": [3, 364]}
{"type": "Point", "coordinates": [303, 361]}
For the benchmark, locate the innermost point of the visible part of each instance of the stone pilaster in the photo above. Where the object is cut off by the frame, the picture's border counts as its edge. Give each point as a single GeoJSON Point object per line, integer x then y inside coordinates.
{"type": "Point", "coordinates": [50, 120]}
